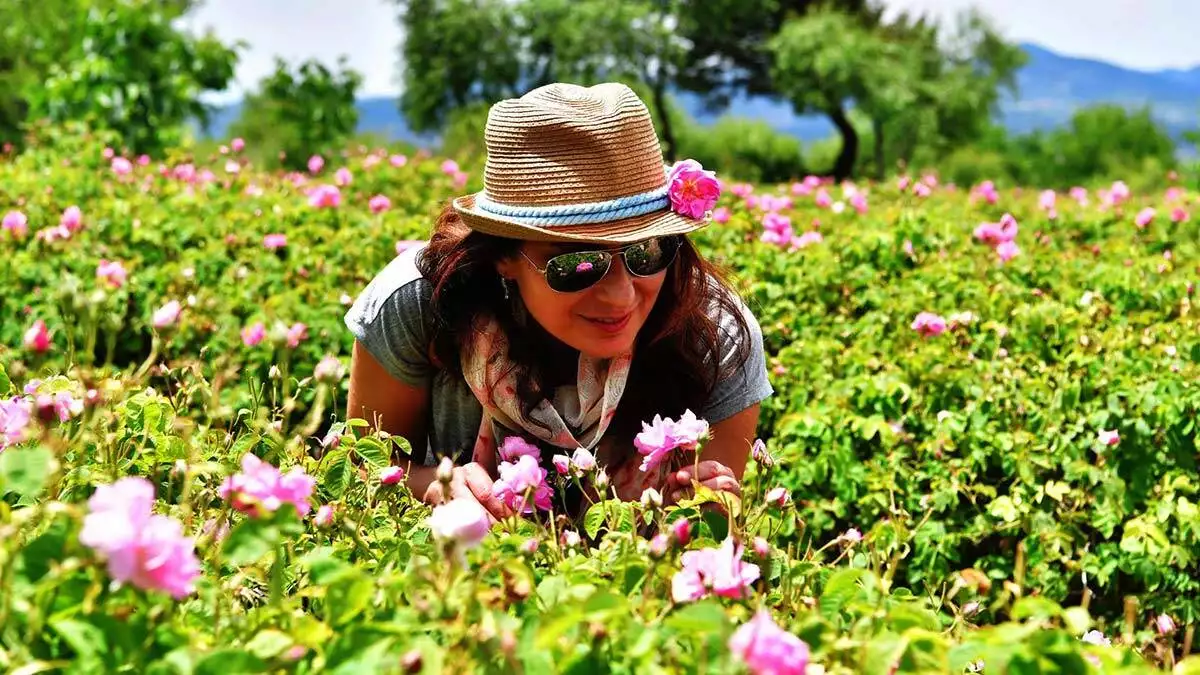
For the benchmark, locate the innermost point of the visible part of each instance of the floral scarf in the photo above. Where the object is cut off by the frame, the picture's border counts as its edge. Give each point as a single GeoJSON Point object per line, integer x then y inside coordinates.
{"type": "Point", "coordinates": [586, 407]}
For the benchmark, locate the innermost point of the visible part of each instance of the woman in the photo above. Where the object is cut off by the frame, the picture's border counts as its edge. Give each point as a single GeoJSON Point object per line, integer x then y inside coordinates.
{"type": "Point", "coordinates": [563, 304]}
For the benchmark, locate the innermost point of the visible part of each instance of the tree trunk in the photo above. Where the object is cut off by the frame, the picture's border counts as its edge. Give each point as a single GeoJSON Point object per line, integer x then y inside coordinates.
{"type": "Point", "coordinates": [877, 129]}
{"type": "Point", "coordinates": [665, 128]}
{"type": "Point", "coordinates": [843, 168]}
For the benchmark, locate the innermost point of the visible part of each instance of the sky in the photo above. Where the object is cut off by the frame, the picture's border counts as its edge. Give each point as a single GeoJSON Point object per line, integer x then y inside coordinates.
{"type": "Point", "coordinates": [1142, 34]}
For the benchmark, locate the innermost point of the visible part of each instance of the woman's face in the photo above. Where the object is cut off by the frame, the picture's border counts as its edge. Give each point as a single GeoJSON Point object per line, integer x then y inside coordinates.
{"type": "Point", "coordinates": [600, 321]}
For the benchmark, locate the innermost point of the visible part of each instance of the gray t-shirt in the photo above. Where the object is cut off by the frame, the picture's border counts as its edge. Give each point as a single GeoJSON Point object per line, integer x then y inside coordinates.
{"type": "Point", "coordinates": [392, 320]}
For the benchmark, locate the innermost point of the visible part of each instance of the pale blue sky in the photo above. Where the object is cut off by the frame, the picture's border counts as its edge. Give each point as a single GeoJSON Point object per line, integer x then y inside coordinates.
{"type": "Point", "coordinates": [1147, 34]}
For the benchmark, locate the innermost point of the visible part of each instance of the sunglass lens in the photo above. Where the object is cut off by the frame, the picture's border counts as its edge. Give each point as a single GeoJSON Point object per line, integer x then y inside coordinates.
{"type": "Point", "coordinates": [572, 272]}
{"type": "Point", "coordinates": [652, 256]}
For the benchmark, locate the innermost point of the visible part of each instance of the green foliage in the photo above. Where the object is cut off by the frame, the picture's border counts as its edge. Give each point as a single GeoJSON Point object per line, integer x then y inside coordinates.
{"type": "Point", "coordinates": [130, 70]}
{"type": "Point", "coordinates": [748, 149]}
{"type": "Point", "coordinates": [294, 115]}
{"type": "Point", "coordinates": [970, 461]}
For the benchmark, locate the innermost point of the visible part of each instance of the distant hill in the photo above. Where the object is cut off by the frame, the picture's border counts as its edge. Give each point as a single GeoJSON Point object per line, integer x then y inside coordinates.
{"type": "Point", "coordinates": [1051, 87]}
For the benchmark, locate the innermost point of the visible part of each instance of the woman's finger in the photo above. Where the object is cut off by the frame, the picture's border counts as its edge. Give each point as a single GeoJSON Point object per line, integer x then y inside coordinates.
{"type": "Point", "coordinates": [480, 484]}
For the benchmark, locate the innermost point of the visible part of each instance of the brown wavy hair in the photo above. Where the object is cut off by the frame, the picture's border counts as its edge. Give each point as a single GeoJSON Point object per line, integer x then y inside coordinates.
{"type": "Point", "coordinates": [679, 352]}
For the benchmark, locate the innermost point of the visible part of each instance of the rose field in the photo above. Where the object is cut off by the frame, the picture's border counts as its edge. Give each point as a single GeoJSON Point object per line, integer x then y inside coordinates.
{"type": "Point", "coordinates": [980, 455]}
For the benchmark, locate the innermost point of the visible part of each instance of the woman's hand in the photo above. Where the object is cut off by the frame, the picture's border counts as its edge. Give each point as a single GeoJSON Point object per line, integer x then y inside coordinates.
{"type": "Point", "coordinates": [709, 473]}
{"type": "Point", "coordinates": [470, 481]}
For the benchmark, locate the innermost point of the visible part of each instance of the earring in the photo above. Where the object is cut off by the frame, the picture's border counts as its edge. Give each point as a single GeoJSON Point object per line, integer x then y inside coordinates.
{"type": "Point", "coordinates": [504, 284]}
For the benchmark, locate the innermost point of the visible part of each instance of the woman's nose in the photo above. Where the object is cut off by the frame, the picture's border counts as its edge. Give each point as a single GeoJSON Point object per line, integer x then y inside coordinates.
{"type": "Point", "coordinates": [616, 288]}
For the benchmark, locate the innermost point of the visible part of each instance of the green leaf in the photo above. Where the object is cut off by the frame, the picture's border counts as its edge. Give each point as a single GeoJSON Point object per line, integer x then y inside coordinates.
{"type": "Point", "coordinates": [337, 471]}
{"type": "Point", "coordinates": [718, 524]}
{"type": "Point", "coordinates": [86, 640]}
{"type": "Point", "coordinates": [346, 598]}
{"type": "Point", "coordinates": [230, 662]}
{"type": "Point", "coordinates": [372, 451]}
{"type": "Point", "coordinates": [6, 385]}
{"type": "Point", "coordinates": [594, 518]}
{"type": "Point", "coordinates": [841, 587]}
{"type": "Point", "coordinates": [269, 643]}
{"type": "Point", "coordinates": [704, 618]}
{"type": "Point", "coordinates": [25, 470]}
{"type": "Point", "coordinates": [249, 541]}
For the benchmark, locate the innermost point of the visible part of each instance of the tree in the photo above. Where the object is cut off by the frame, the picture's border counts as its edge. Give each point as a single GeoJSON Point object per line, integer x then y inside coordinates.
{"type": "Point", "coordinates": [310, 111]}
{"type": "Point", "coordinates": [828, 61]}
{"type": "Point", "coordinates": [130, 70]}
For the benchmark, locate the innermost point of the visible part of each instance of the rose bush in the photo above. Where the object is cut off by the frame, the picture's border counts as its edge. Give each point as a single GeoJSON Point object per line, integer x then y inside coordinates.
{"type": "Point", "coordinates": [975, 458]}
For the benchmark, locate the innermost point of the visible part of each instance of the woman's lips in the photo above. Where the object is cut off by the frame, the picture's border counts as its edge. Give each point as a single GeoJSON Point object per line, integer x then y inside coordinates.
{"type": "Point", "coordinates": [610, 325]}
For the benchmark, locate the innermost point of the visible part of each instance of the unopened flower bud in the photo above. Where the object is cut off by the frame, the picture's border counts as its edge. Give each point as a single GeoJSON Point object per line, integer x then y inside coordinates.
{"type": "Point", "coordinates": [681, 529]}
{"type": "Point", "coordinates": [1165, 624]}
{"type": "Point", "coordinates": [274, 373]}
{"type": "Point", "coordinates": [651, 498]}
{"type": "Point", "coordinates": [760, 454]}
{"type": "Point", "coordinates": [411, 661]}
{"type": "Point", "coordinates": [777, 496]}
{"type": "Point", "coordinates": [601, 481]}
{"type": "Point", "coordinates": [445, 471]}
{"type": "Point", "coordinates": [659, 545]}
{"type": "Point", "coordinates": [761, 547]}
{"type": "Point", "coordinates": [970, 609]}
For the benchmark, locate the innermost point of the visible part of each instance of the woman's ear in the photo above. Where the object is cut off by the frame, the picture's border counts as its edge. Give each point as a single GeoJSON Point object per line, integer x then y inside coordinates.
{"type": "Point", "coordinates": [507, 267]}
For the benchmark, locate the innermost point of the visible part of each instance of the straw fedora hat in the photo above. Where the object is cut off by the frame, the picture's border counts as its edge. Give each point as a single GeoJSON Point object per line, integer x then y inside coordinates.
{"type": "Point", "coordinates": [571, 163]}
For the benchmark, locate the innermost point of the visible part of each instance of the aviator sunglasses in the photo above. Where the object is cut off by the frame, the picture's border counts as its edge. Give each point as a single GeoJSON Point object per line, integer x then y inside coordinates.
{"type": "Point", "coordinates": [580, 270]}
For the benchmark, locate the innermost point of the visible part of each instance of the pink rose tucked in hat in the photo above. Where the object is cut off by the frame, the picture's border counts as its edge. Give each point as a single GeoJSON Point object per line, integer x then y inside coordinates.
{"type": "Point", "coordinates": [692, 190]}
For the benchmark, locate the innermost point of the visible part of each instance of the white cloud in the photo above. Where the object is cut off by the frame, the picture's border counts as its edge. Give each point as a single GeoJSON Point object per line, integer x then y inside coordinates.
{"type": "Point", "coordinates": [1147, 34]}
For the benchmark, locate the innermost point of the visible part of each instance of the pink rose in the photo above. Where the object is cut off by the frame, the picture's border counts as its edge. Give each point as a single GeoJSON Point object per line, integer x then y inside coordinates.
{"type": "Point", "coordinates": [166, 315]}
{"type": "Point", "coordinates": [928, 324]}
{"type": "Point", "coordinates": [692, 190]}
{"type": "Point", "coordinates": [379, 204]}
{"type": "Point", "coordinates": [519, 478]}
{"type": "Point", "coordinates": [37, 337]}
{"type": "Point", "coordinates": [140, 547]}
{"type": "Point", "coordinates": [274, 241]}
{"type": "Point", "coordinates": [391, 475]}
{"type": "Point", "coordinates": [252, 335]}
{"type": "Point", "coordinates": [17, 223]}
{"type": "Point", "coordinates": [717, 571]}
{"type": "Point", "coordinates": [515, 447]}
{"type": "Point", "coordinates": [460, 521]}
{"type": "Point", "coordinates": [15, 414]}
{"type": "Point", "coordinates": [112, 272]}
{"type": "Point", "coordinates": [767, 649]}
{"type": "Point", "coordinates": [260, 488]}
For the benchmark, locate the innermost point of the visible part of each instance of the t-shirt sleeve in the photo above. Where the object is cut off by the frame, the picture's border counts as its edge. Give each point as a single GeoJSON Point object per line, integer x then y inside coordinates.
{"type": "Point", "coordinates": [391, 320]}
{"type": "Point", "coordinates": [749, 384]}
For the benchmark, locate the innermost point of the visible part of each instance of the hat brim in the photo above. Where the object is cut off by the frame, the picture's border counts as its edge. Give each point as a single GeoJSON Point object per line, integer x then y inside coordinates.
{"type": "Point", "coordinates": [628, 230]}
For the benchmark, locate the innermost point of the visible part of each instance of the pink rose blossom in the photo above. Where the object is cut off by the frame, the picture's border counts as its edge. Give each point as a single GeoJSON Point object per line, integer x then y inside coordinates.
{"type": "Point", "coordinates": [15, 414]}
{"type": "Point", "coordinates": [761, 548]}
{"type": "Point", "coordinates": [658, 439]}
{"type": "Point", "coordinates": [823, 200]}
{"type": "Point", "coordinates": [17, 223]}
{"type": "Point", "coordinates": [141, 548]}
{"type": "Point", "coordinates": [37, 337]}
{"type": "Point", "coordinates": [692, 190]}
{"type": "Point", "coordinates": [1144, 217]}
{"type": "Point", "coordinates": [233, 167]}
{"type": "Point", "coordinates": [398, 160]}
{"type": "Point", "coordinates": [112, 272]}
{"type": "Point", "coordinates": [717, 571]}
{"type": "Point", "coordinates": [515, 447]}
{"type": "Point", "coordinates": [450, 167]}
{"type": "Point", "coordinates": [1108, 437]}
{"type": "Point", "coordinates": [859, 202]}
{"type": "Point", "coordinates": [343, 177]}
{"type": "Point", "coordinates": [296, 334]}
{"type": "Point", "coordinates": [237, 144]}
{"type": "Point", "coordinates": [928, 324]}
{"type": "Point", "coordinates": [807, 239]}
{"type": "Point", "coordinates": [260, 488]}
{"type": "Point", "coordinates": [767, 649]}
{"type": "Point", "coordinates": [121, 166]}
{"type": "Point", "coordinates": [274, 241]}
{"type": "Point", "coordinates": [72, 218]}
{"type": "Point", "coordinates": [994, 234]}
{"type": "Point", "coordinates": [1008, 250]}
{"type": "Point", "coordinates": [60, 404]}
{"type": "Point", "coordinates": [379, 204]}
{"type": "Point", "coordinates": [324, 197]}
{"type": "Point", "coordinates": [1165, 624]}
{"type": "Point", "coordinates": [986, 191]}
{"type": "Point", "coordinates": [391, 475]}
{"type": "Point", "coordinates": [328, 369]}
{"type": "Point", "coordinates": [166, 315]}
{"type": "Point", "coordinates": [1047, 200]}
{"type": "Point", "coordinates": [252, 335]}
{"type": "Point", "coordinates": [1119, 192]}
{"type": "Point", "coordinates": [324, 516]}
{"type": "Point", "coordinates": [742, 190]}
{"type": "Point", "coordinates": [315, 164]}
{"type": "Point", "coordinates": [721, 215]}
{"type": "Point", "coordinates": [922, 190]}
{"type": "Point", "coordinates": [1079, 194]}
{"type": "Point", "coordinates": [583, 460]}
{"type": "Point", "coordinates": [1179, 214]}
{"type": "Point", "coordinates": [462, 522]}
{"type": "Point", "coordinates": [460, 179]}
{"type": "Point", "coordinates": [520, 477]}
